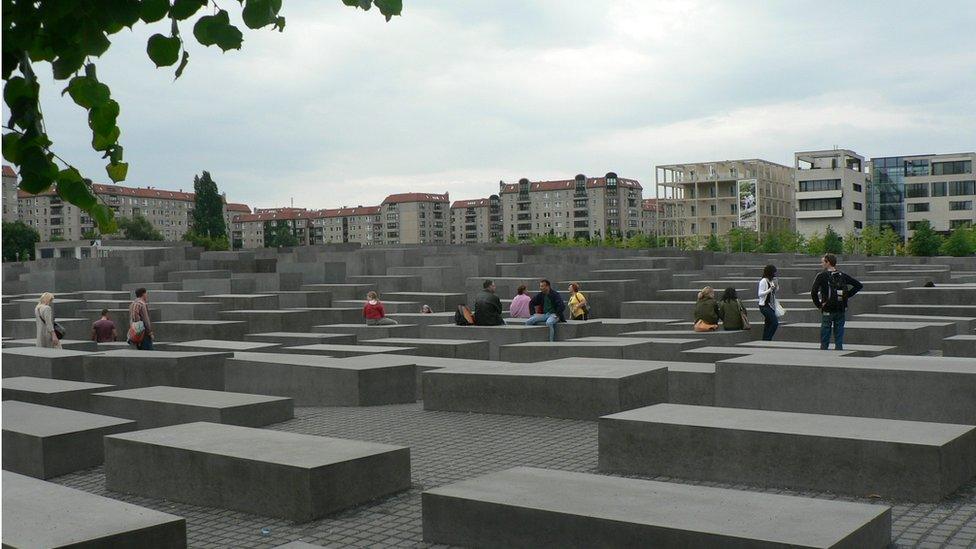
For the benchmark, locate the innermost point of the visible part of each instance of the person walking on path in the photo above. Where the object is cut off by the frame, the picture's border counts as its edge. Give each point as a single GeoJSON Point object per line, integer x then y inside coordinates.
{"type": "Point", "coordinates": [731, 311]}
{"type": "Point", "coordinates": [706, 311]}
{"type": "Point", "coordinates": [579, 308]}
{"type": "Point", "coordinates": [487, 306]}
{"type": "Point", "coordinates": [140, 329]}
{"type": "Point", "coordinates": [830, 292]}
{"type": "Point", "coordinates": [103, 329]}
{"type": "Point", "coordinates": [548, 308]}
{"type": "Point", "coordinates": [767, 301]}
{"type": "Point", "coordinates": [374, 313]}
{"type": "Point", "coordinates": [44, 316]}
{"type": "Point", "coordinates": [520, 304]}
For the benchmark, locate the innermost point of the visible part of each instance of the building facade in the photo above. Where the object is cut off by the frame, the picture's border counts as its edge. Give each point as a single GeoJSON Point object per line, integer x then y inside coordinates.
{"type": "Point", "coordinates": [582, 207]}
{"type": "Point", "coordinates": [906, 190]}
{"type": "Point", "coordinates": [414, 218]}
{"type": "Point", "coordinates": [651, 214]}
{"type": "Point", "coordinates": [344, 224]}
{"type": "Point", "coordinates": [478, 220]}
{"type": "Point", "coordinates": [252, 230]}
{"type": "Point", "coordinates": [10, 211]}
{"type": "Point", "coordinates": [831, 189]}
{"type": "Point", "coordinates": [705, 198]}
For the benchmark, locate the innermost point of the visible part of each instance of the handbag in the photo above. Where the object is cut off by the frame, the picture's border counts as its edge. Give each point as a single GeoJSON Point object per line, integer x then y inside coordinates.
{"type": "Point", "coordinates": [58, 329]}
{"type": "Point", "coordinates": [702, 326]}
{"type": "Point", "coordinates": [745, 317]}
{"type": "Point", "coordinates": [137, 332]}
{"type": "Point", "coordinates": [780, 311]}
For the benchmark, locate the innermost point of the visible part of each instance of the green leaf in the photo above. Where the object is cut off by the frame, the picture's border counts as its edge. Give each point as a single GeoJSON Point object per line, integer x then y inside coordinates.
{"type": "Point", "coordinates": [94, 42]}
{"type": "Point", "coordinates": [117, 171]}
{"type": "Point", "coordinates": [11, 147]}
{"type": "Point", "coordinates": [183, 62]}
{"type": "Point", "coordinates": [163, 50]}
{"type": "Point", "coordinates": [216, 30]}
{"type": "Point", "coordinates": [280, 24]}
{"type": "Point", "coordinates": [103, 142]}
{"type": "Point", "coordinates": [87, 92]}
{"type": "Point", "coordinates": [182, 9]}
{"type": "Point", "coordinates": [154, 10]}
{"type": "Point", "coordinates": [67, 64]}
{"type": "Point", "coordinates": [37, 170]}
{"type": "Point", "coordinates": [260, 13]}
{"type": "Point", "coordinates": [389, 8]}
{"type": "Point", "coordinates": [72, 188]}
{"type": "Point", "coordinates": [102, 118]}
{"type": "Point", "coordinates": [18, 89]}
{"type": "Point", "coordinates": [104, 218]}
{"type": "Point", "coordinates": [116, 154]}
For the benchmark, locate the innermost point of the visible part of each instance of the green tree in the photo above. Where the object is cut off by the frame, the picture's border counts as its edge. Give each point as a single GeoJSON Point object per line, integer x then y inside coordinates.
{"type": "Point", "coordinates": [18, 241]}
{"type": "Point", "coordinates": [208, 208]}
{"type": "Point", "coordinates": [279, 234]}
{"type": "Point", "coordinates": [961, 243]}
{"type": "Point", "coordinates": [68, 36]}
{"type": "Point", "coordinates": [217, 243]}
{"type": "Point", "coordinates": [138, 228]}
{"type": "Point", "coordinates": [815, 244]}
{"type": "Point", "coordinates": [853, 244]}
{"type": "Point", "coordinates": [742, 240]}
{"type": "Point", "coordinates": [713, 244]}
{"type": "Point", "coordinates": [833, 243]}
{"type": "Point", "coordinates": [925, 242]}
{"type": "Point", "coordinates": [90, 234]}
{"type": "Point", "coordinates": [512, 239]}
{"type": "Point", "coordinates": [772, 243]}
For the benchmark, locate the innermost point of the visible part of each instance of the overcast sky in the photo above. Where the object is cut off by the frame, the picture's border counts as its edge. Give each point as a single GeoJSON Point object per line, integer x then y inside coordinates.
{"type": "Point", "coordinates": [344, 108]}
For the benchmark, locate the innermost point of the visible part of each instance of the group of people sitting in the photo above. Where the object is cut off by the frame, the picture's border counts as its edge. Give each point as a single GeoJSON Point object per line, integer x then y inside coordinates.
{"type": "Point", "coordinates": [729, 311]}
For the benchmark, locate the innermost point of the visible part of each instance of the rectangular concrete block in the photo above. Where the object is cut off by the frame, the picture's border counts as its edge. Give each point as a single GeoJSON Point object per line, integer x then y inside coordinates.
{"type": "Point", "coordinates": [539, 508]}
{"type": "Point", "coordinates": [291, 339]}
{"type": "Point", "coordinates": [130, 369]}
{"type": "Point", "coordinates": [365, 333]}
{"type": "Point", "coordinates": [273, 473]}
{"type": "Point", "coordinates": [496, 336]}
{"type": "Point", "coordinates": [625, 348]}
{"type": "Point", "coordinates": [161, 406]}
{"type": "Point", "coordinates": [188, 330]}
{"type": "Point", "coordinates": [220, 345]}
{"type": "Point", "coordinates": [574, 389]}
{"type": "Point", "coordinates": [44, 514]}
{"type": "Point", "coordinates": [960, 346]}
{"type": "Point", "coordinates": [45, 442]}
{"type": "Point", "coordinates": [444, 348]}
{"type": "Point", "coordinates": [234, 302]}
{"type": "Point", "coordinates": [860, 456]}
{"type": "Point", "coordinates": [343, 351]}
{"type": "Point", "coordinates": [66, 344]}
{"type": "Point", "coordinates": [59, 393]}
{"type": "Point", "coordinates": [43, 362]}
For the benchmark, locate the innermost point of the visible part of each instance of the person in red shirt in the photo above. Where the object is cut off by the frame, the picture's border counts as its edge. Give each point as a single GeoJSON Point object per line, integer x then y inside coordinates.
{"type": "Point", "coordinates": [103, 329]}
{"type": "Point", "coordinates": [373, 312]}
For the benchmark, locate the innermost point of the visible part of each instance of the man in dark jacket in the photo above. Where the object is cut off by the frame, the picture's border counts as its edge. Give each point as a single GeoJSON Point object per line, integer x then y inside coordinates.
{"type": "Point", "coordinates": [487, 306]}
{"type": "Point", "coordinates": [547, 307]}
{"type": "Point", "coordinates": [830, 292]}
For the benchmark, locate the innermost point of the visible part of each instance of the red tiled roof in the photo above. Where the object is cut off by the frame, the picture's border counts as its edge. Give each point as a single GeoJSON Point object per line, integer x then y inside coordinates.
{"type": "Point", "coordinates": [349, 212]}
{"type": "Point", "coordinates": [118, 190]}
{"type": "Point", "coordinates": [232, 207]}
{"type": "Point", "coordinates": [9, 172]}
{"type": "Point", "coordinates": [476, 203]}
{"type": "Point", "coordinates": [564, 184]}
{"type": "Point", "coordinates": [415, 197]}
{"type": "Point", "coordinates": [651, 204]}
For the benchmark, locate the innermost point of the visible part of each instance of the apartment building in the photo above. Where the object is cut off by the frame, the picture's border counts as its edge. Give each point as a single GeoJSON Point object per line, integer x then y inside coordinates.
{"type": "Point", "coordinates": [704, 198]}
{"type": "Point", "coordinates": [651, 213]}
{"type": "Point", "coordinates": [478, 220]}
{"type": "Point", "coordinates": [9, 195]}
{"type": "Point", "coordinates": [906, 190]}
{"type": "Point", "coordinates": [831, 189]}
{"type": "Point", "coordinates": [250, 230]}
{"type": "Point", "coordinates": [582, 207]}
{"type": "Point", "coordinates": [413, 218]}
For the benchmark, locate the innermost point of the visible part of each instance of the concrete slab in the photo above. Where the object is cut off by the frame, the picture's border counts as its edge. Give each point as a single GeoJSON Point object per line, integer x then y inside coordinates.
{"type": "Point", "coordinates": [66, 344]}
{"type": "Point", "coordinates": [918, 461]}
{"type": "Point", "coordinates": [496, 336]}
{"type": "Point", "coordinates": [188, 330]}
{"type": "Point", "coordinates": [574, 389]}
{"type": "Point", "coordinates": [43, 362]}
{"type": "Point", "coordinates": [343, 351]}
{"type": "Point", "coordinates": [219, 345]}
{"type": "Point", "coordinates": [906, 337]}
{"type": "Point", "coordinates": [234, 302]}
{"type": "Point", "coordinates": [850, 350]}
{"type": "Point", "coordinates": [960, 346]}
{"type": "Point", "coordinates": [44, 514]}
{"type": "Point", "coordinates": [444, 348]}
{"type": "Point", "coordinates": [528, 507]}
{"type": "Point", "coordinates": [273, 473]}
{"type": "Point", "coordinates": [45, 442]}
{"type": "Point", "coordinates": [130, 369]}
{"type": "Point", "coordinates": [291, 339]}
{"type": "Point", "coordinates": [365, 333]}
{"type": "Point", "coordinates": [59, 393]}
{"type": "Point", "coordinates": [714, 353]}
{"type": "Point", "coordinates": [285, 320]}
{"type": "Point", "coordinates": [161, 406]}
{"type": "Point", "coordinates": [23, 328]}
{"type": "Point", "coordinates": [625, 348]}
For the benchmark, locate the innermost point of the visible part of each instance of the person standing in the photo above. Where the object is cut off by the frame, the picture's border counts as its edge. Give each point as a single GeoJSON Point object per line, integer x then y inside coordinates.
{"type": "Point", "coordinates": [548, 307]}
{"type": "Point", "coordinates": [44, 316]}
{"type": "Point", "coordinates": [830, 292]}
{"type": "Point", "coordinates": [767, 301]}
{"type": "Point", "coordinates": [487, 306]}
{"type": "Point", "coordinates": [579, 308]}
{"type": "Point", "coordinates": [103, 329]}
{"type": "Point", "coordinates": [374, 313]}
{"type": "Point", "coordinates": [139, 313]}
{"type": "Point", "coordinates": [520, 304]}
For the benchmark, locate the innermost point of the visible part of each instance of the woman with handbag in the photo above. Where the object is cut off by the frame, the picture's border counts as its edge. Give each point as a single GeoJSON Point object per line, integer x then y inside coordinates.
{"type": "Point", "coordinates": [706, 311]}
{"type": "Point", "coordinates": [731, 311]}
{"type": "Point", "coordinates": [579, 308]}
{"type": "Point", "coordinates": [47, 328]}
{"type": "Point", "coordinates": [767, 302]}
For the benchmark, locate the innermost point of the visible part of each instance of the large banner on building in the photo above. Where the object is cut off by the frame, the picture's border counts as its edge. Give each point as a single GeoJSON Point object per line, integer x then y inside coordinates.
{"type": "Point", "coordinates": [748, 218]}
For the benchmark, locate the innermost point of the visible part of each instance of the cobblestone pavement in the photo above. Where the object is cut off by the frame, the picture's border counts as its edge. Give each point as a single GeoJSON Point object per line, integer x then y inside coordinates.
{"type": "Point", "coordinates": [448, 446]}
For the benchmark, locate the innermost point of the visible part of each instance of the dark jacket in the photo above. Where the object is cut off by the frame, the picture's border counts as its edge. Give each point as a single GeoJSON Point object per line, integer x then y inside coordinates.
{"type": "Point", "coordinates": [821, 291]}
{"type": "Point", "coordinates": [487, 309]}
{"type": "Point", "coordinates": [731, 314]}
{"type": "Point", "coordinates": [707, 310]}
{"type": "Point", "coordinates": [557, 301]}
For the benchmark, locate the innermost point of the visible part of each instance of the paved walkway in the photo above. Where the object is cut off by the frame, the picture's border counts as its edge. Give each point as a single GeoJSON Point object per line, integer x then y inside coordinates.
{"type": "Point", "coordinates": [449, 446]}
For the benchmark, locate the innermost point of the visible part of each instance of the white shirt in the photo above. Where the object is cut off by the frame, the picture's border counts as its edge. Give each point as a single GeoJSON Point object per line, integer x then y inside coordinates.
{"type": "Point", "coordinates": [766, 291]}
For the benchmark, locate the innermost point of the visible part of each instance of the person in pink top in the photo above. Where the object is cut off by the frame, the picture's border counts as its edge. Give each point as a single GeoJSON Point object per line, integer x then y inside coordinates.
{"type": "Point", "coordinates": [520, 304]}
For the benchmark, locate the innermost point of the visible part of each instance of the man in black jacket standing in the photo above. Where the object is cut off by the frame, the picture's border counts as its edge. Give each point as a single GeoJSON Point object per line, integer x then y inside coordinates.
{"type": "Point", "coordinates": [487, 306]}
{"type": "Point", "coordinates": [830, 292]}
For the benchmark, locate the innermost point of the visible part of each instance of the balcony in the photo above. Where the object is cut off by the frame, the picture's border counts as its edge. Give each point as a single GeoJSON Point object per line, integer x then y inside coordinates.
{"type": "Point", "coordinates": [810, 195]}
{"type": "Point", "coordinates": [820, 214]}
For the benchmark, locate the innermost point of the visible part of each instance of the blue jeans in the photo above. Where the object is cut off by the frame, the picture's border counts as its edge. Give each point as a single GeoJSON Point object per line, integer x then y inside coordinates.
{"type": "Point", "coordinates": [835, 321]}
{"type": "Point", "coordinates": [550, 320]}
{"type": "Point", "coordinates": [772, 322]}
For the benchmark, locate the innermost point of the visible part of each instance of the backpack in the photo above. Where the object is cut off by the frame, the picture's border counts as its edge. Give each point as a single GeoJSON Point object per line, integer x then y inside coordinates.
{"type": "Point", "coordinates": [463, 316]}
{"type": "Point", "coordinates": [836, 288]}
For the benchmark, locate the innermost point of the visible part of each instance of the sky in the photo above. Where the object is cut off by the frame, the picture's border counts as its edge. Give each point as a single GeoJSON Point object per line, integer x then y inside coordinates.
{"type": "Point", "coordinates": [344, 108]}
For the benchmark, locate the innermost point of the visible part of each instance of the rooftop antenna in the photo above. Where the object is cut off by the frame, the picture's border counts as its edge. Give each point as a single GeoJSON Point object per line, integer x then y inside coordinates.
{"type": "Point", "coordinates": [293, 202]}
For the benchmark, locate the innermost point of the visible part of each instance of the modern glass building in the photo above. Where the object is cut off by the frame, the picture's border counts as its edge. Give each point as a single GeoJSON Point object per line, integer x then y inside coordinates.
{"type": "Point", "coordinates": [886, 194]}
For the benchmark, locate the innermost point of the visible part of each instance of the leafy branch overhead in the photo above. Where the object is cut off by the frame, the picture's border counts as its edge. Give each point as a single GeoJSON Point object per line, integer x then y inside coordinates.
{"type": "Point", "coordinates": [69, 36]}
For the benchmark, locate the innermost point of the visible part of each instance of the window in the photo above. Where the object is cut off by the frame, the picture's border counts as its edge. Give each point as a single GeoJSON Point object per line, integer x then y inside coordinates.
{"type": "Point", "coordinates": [916, 190]}
{"type": "Point", "coordinates": [712, 209]}
{"type": "Point", "coordinates": [818, 204]}
{"type": "Point", "coordinates": [858, 206]}
{"type": "Point", "coordinates": [714, 227]}
{"type": "Point", "coordinates": [916, 167]}
{"type": "Point", "coordinates": [961, 205]}
{"type": "Point", "coordinates": [694, 228]}
{"type": "Point", "coordinates": [939, 188]}
{"type": "Point", "coordinates": [957, 223]}
{"type": "Point", "coordinates": [858, 225]}
{"type": "Point", "coordinates": [961, 188]}
{"type": "Point", "coordinates": [918, 207]}
{"type": "Point", "coordinates": [914, 225]}
{"type": "Point", "coordinates": [732, 209]}
{"type": "Point", "coordinates": [857, 188]}
{"type": "Point", "coordinates": [950, 168]}
{"type": "Point", "coordinates": [820, 185]}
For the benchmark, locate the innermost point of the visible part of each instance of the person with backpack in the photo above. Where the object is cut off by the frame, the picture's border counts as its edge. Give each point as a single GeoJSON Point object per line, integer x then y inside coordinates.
{"type": "Point", "coordinates": [487, 306]}
{"type": "Point", "coordinates": [731, 311]}
{"type": "Point", "coordinates": [547, 307]}
{"type": "Point", "coordinates": [830, 292]}
{"type": "Point", "coordinates": [767, 302]}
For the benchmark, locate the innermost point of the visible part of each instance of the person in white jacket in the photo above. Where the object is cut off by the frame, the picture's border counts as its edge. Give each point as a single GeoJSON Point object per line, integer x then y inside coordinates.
{"type": "Point", "coordinates": [767, 301]}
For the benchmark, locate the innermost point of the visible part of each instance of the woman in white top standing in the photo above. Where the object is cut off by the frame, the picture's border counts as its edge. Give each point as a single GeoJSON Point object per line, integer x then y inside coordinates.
{"type": "Point", "coordinates": [44, 317]}
{"type": "Point", "coordinates": [767, 301]}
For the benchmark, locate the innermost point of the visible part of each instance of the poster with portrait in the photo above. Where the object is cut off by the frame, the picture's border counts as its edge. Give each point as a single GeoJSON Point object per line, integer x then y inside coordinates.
{"type": "Point", "coordinates": [748, 218]}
